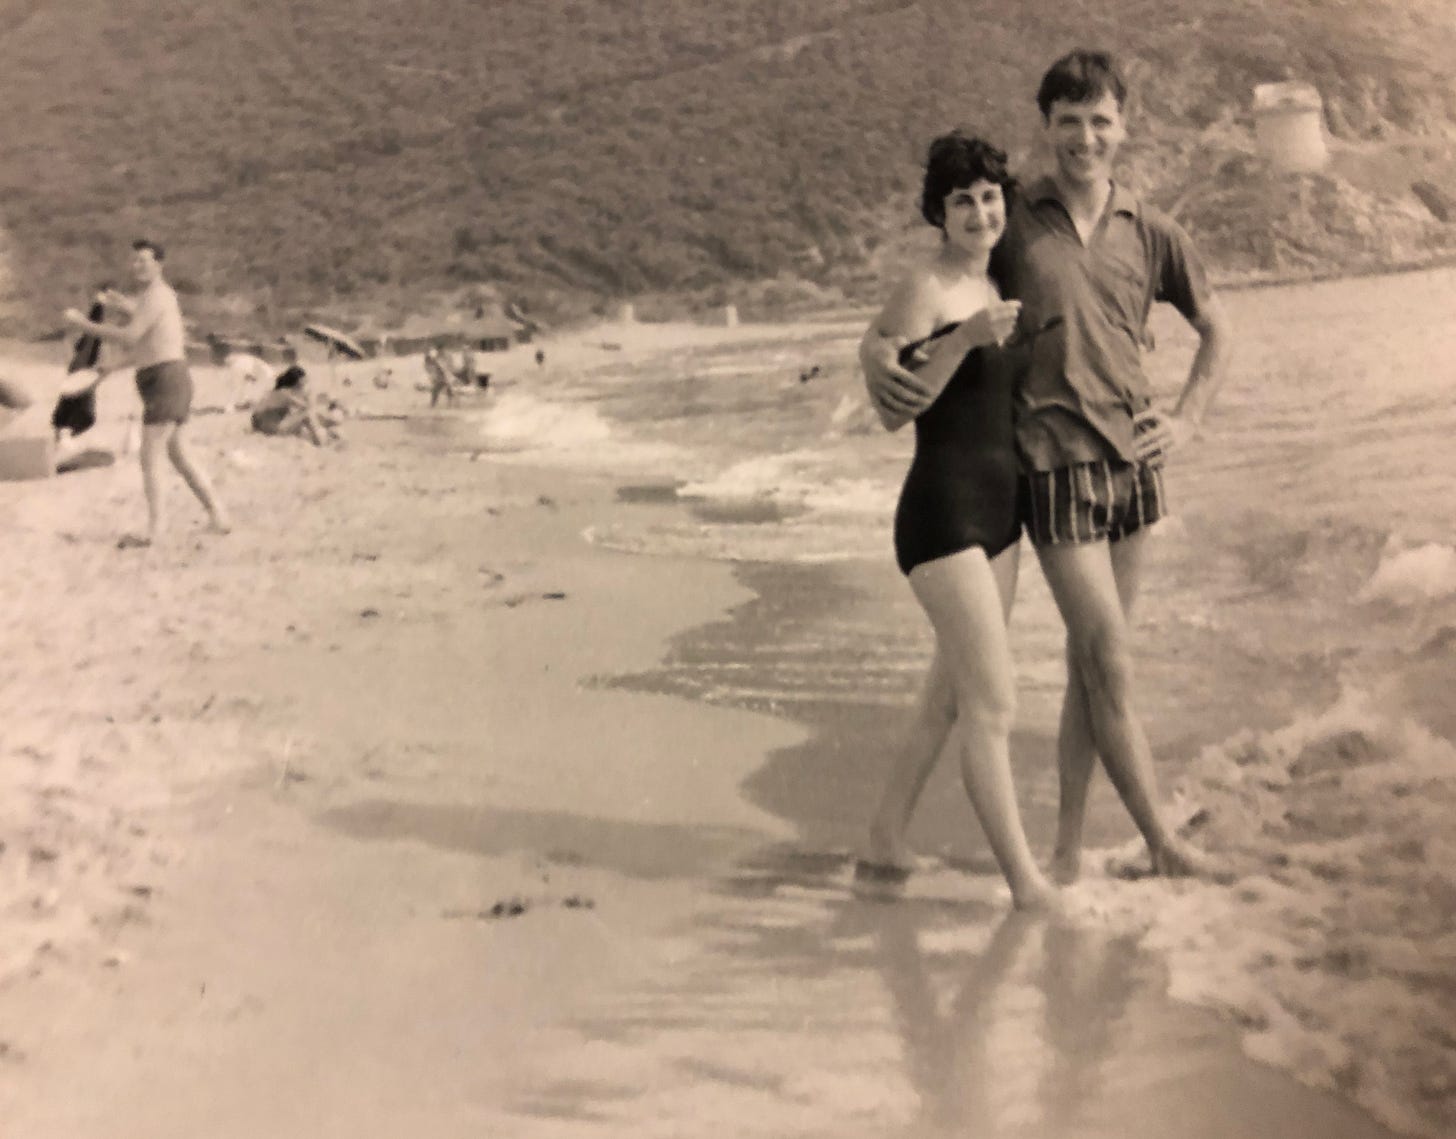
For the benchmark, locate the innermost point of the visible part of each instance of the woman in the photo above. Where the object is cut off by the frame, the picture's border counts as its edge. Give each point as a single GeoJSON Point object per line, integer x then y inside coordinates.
{"type": "Point", "coordinates": [957, 526]}
{"type": "Point", "coordinates": [287, 410]}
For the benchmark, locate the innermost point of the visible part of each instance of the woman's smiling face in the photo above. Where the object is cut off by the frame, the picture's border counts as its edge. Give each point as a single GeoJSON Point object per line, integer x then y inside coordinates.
{"type": "Point", "coordinates": [975, 216]}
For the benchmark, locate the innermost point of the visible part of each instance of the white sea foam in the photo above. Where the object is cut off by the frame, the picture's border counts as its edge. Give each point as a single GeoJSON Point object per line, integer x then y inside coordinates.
{"type": "Point", "coordinates": [519, 416]}
{"type": "Point", "coordinates": [803, 541]}
{"type": "Point", "coordinates": [795, 479]}
{"type": "Point", "coordinates": [1410, 575]}
{"type": "Point", "coordinates": [758, 477]}
{"type": "Point", "coordinates": [526, 428]}
{"type": "Point", "coordinates": [1335, 951]}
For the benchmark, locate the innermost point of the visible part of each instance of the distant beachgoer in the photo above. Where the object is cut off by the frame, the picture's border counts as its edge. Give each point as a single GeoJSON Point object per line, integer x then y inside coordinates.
{"type": "Point", "coordinates": [154, 334]}
{"type": "Point", "coordinates": [1087, 259]}
{"type": "Point", "coordinates": [440, 379]}
{"type": "Point", "coordinates": [540, 358]}
{"type": "Point", "coordinates": [247, 375]}
{"type": "Point", "coordinates": [467, 371]}
{"type": "Point", "coordinates": [289, 410]}
{"type": "Point", "coordinates": [87, 351]}
{"type": "Point", "coordinates": [75, 411]}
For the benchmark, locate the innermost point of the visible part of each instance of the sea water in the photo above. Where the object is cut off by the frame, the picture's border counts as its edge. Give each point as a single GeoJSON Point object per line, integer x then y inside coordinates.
{"type": "Point", "coordinates": [1295, 652]}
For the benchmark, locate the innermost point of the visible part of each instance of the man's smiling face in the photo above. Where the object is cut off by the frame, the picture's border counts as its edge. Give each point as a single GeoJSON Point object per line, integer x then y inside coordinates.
{"type": "Point", "coordinates": [1085, 138]}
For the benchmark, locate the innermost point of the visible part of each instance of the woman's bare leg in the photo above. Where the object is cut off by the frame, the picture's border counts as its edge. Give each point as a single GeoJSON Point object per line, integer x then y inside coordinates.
{"type": "Point", "coordinates": [917, 757]}
{"type": "Point", "coordinates": [960, 595]}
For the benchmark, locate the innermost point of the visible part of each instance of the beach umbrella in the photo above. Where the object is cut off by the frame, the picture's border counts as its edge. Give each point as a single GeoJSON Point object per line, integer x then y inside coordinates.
{"type": "Point", "coordinates": [336, 340]}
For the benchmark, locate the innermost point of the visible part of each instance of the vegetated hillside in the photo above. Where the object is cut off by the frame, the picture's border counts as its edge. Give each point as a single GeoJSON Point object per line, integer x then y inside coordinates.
{"type": "Point", "coordinates": [364, 152]}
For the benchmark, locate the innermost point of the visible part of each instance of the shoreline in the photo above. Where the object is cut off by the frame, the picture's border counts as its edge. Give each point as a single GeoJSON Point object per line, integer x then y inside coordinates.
{"type": "Point", "coordinates": [378, 715]}
{"type": "Point", "coordinates": [315, 726]}
{"type": "Point", "coordinates": [950, 919]}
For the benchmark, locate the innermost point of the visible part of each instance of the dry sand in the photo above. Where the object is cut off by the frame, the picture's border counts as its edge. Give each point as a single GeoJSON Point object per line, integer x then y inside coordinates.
{"type": "Point", "coordinates": [323, 828]}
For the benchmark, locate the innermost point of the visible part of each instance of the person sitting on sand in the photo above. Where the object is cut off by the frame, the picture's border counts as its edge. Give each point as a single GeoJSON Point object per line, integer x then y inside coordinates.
{"type": "Point", "coordinates": [288, 410]}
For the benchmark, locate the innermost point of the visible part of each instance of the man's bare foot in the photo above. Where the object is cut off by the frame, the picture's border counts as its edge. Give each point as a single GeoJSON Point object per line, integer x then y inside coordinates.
{"type": "Point", "coordinates": [133, 542]}
{"type": "Point", "coordinates": [219, 525]}
{"type": "Point", "coordinates": [1066, 866]}
{"type": "Point", "coordinates": [1039, 898]}
{"type": "Point", "coordinates": [1180, 860]}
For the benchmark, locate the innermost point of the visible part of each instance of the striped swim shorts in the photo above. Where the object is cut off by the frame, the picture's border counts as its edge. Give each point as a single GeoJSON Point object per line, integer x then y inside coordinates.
{"type": "Point", "coordinates": [1091, 502]}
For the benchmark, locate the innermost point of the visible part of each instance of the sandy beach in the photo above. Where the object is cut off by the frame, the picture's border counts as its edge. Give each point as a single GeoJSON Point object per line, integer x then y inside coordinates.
{"type": "Point", "coordinates": [383, 815]}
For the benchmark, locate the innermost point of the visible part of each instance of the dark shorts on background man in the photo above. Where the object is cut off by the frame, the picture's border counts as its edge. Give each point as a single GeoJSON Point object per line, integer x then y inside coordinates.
{"type": "Point", "coordinates": [1091, 502]}
{"type": "Point", "coordinates": [166, 391]}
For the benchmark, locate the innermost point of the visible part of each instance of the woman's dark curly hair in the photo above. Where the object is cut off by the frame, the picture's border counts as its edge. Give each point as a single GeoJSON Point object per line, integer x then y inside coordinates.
{"type": "Point", "coordinates": [958, 160]}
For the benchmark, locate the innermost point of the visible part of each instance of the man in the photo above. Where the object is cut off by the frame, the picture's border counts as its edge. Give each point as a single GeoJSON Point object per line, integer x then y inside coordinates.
{"type": "Point", "coordinates": [248, 377]}
{"type": "Point", "coordinates": [1087, 260]}
{"type": "Point", "coordinates": [439, 373]}
{"type": "Point", "coordinates": [155, 338]}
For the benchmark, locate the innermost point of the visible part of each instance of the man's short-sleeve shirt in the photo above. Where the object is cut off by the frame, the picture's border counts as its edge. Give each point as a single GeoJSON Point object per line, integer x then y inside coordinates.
{"type": "Point", "coordinates": [157, 319]}
{"type": "Point", "coordinates": [1084, 310]}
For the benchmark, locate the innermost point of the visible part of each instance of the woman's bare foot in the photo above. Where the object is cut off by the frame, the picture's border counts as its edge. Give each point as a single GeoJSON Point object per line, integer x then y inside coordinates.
{"type": "Point", "coordinates": [880, 873]}
{"type": "Point", "coordinates": [886, 855]}
{"type": "Point", "coordinates": [133, 542]}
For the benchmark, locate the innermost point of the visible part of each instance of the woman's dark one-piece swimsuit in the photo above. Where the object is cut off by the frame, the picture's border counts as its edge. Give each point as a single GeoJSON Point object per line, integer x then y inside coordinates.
{"type": "Point", "coordinates": [961, 489]}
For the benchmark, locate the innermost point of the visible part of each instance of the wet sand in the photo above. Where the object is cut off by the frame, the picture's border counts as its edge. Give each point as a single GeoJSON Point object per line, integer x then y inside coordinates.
{"type": "Point", "coordinates": [344, 824]}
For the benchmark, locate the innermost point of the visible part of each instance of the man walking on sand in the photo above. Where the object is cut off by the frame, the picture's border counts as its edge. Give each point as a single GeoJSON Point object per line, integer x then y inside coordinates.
{"type": "Point", "coordinates": [1087, 259]}
{"type": "Point", "coordinates": [155, 337]}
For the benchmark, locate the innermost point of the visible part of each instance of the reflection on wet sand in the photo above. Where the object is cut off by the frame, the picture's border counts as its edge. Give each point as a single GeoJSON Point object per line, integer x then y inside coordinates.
{"type": "Point", "coordinates": [1022, 1042]}
{"type": "Point", "coordinates": [802, 1003]}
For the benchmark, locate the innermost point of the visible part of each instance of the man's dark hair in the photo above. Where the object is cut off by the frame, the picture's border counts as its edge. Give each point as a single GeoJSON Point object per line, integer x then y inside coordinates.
{"type": "Point", "coordinates": [958, 160]}
{"type": "Point", "coordinates": [158, 253]}
{"type": "Point", "coordinates": [1081, 77]}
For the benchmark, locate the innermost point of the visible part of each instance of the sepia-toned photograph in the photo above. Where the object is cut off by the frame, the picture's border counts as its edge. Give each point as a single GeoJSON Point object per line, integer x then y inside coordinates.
{"type": "Point", "coordinates": [728, 569]}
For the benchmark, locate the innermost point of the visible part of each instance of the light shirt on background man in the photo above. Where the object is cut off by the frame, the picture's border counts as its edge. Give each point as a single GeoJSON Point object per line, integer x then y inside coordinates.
{"type": "Point", "coordinates": [157, 323]}
{"type": "Point", "coordinates": [248, 376]}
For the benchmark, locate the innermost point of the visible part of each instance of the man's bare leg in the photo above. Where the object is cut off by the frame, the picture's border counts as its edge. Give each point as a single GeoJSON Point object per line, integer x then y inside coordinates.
{"type": "Point", "coordinates": [197, 481]}
{"type": "Point", "coordinates": [1082, 581]}
{"type": "Point", "coordinates": [155, 438]}
{"type": "Point", "coordinates": [1076, 751]}
{"type": "Point", "coordinates": [927, 738]}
